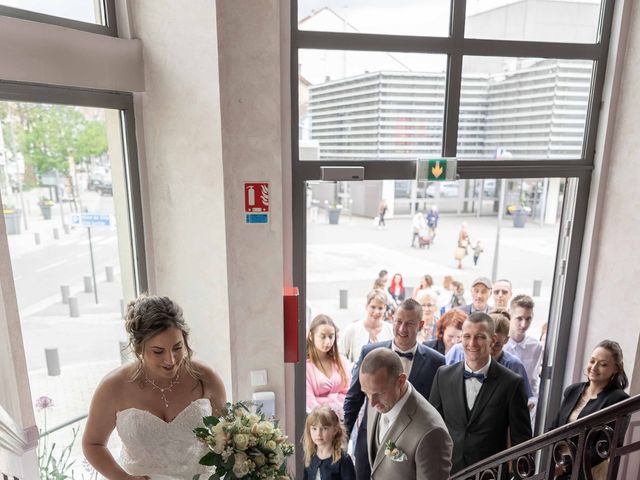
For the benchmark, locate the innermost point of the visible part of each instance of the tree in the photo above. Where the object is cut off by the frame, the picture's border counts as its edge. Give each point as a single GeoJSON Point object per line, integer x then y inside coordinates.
{"type": "Point", "coordinates": [52, 136]}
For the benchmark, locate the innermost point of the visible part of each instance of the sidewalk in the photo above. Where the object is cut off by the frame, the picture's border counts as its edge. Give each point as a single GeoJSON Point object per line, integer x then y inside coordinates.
{"type": "Point", "coordinates": [350, 255]}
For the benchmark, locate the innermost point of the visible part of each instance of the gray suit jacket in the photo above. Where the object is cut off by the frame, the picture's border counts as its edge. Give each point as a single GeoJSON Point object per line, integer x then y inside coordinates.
{"type": "Point", "coordinates": [421, 434]}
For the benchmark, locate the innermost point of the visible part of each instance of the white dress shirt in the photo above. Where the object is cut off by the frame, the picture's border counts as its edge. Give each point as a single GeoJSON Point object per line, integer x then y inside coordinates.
{"type": "Point", "coordinates": [472, 386]}
{"type": "Point", "coordinates": [406, 363]}
{"type": "Point", "coordinates": [386, 419]}
{"type": "Point", "coordinates": [529, 351]}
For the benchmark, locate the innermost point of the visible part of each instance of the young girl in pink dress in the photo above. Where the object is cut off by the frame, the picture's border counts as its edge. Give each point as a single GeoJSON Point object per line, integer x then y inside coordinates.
{"type": "Point", "coordinates": [328, 375]}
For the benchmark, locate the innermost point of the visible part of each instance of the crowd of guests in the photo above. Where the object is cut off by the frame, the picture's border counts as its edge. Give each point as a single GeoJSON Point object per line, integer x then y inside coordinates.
{"type": "Point", "coordinates": [469, 372]}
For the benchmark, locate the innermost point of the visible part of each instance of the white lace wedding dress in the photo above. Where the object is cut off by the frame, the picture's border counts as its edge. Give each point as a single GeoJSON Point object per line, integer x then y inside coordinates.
{"type": "Point", "coordinates": [164, 451]}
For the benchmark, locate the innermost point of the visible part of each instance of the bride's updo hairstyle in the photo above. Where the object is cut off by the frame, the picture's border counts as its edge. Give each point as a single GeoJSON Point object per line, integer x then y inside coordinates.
{"type": "Point", "coordinates": [149, 315]}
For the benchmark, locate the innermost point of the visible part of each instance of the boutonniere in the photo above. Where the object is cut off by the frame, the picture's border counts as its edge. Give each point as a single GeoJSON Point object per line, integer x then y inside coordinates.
{"type": "Point", "coordinates": [393, 452]}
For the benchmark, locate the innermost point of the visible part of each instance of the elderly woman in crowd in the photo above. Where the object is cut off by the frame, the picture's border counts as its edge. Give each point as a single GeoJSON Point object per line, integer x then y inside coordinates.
{"type": "Point", "coordinates": [429, 316]}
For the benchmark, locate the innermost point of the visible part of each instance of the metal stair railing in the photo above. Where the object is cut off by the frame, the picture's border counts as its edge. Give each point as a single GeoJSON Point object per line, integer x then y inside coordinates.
{"type": "Point", "coordinates": [536, 459]}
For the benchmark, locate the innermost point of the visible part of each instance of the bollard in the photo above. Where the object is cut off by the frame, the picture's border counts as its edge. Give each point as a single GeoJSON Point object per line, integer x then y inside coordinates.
{"type": "Point", "coordinates": [53, 361]}
{"type": "Point", "coordinates": [122, 307]}
{"type": "Point", "coordinates": [537, 286]}
{"type": "Point", "coordinates": [109, 272]}
{"type": "Point", "coordinates": [66, 228]}
{"type": "Point", "coordinates": [56, 234]}
{"type": "Point", "coordinates": [36, 236]}
{"type": "Point", "coordinates": [74, 311]}
{"type": "Point", "coordinates": [64, 291]}
{"type": "Point", "coordinates": [308, 314]}
{"type": "Point", "coordinates": [124, 352]}
{"type": "Point", "coordinates": [408, 292]}
{"type": "Point", "coordinates": [88, 286]}
{"type": "Point", "coordinates": [344, 298]}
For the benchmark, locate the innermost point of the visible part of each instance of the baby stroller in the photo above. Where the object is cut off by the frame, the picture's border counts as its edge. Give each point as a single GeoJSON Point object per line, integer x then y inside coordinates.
{"type": "Point", "coordinates": [424, 239]}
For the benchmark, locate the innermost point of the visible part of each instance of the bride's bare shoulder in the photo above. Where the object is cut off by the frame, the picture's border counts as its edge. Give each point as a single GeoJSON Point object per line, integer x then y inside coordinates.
{"type": "Point", "coordinates": [118, 380]}
{"type": "Point", "coordinates": [213, 384]}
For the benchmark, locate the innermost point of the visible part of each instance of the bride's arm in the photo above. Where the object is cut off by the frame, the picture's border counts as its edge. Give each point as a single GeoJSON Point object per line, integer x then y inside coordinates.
{"type": "Point", "coordinates": [100, 424]}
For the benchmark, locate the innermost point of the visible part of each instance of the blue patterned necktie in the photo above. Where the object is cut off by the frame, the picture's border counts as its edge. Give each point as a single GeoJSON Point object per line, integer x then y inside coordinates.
{"type": "Point", "coordinates": [480, 376]}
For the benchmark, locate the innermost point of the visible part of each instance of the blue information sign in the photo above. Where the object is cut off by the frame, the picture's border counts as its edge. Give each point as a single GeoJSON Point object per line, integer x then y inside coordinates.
{"type": "Point", "coordinates": [90, 220]}
{"type": "Point", "coordinates": [257, 218]}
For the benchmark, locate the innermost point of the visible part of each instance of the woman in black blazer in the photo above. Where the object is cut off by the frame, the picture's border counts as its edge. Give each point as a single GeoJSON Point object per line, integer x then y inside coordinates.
{"type": "Point", "coordinates": [606, 381]}
{"type": "Point", "coordinates": [448, 331]}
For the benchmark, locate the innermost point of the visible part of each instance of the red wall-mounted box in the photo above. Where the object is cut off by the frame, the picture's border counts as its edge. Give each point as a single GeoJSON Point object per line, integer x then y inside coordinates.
{"type": "Point", "coordinates": [291, 323]}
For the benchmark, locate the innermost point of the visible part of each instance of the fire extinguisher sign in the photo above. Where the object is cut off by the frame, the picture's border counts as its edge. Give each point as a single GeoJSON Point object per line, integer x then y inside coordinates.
{"type": "Point", "coordinates": [256, 202]}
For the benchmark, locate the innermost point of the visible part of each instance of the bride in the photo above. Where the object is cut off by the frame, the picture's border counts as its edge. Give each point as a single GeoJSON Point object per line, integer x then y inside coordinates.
{"type": "Point", "coordinates": [154, 403]}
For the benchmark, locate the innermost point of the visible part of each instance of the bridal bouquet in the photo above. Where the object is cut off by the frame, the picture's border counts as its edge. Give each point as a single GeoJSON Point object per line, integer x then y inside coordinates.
{"type": "Point", "coordinates": [244, 445]}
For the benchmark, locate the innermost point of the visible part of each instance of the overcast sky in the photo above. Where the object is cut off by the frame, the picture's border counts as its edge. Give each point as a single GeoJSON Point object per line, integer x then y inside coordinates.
{"type": "Point", "coordinates": [82, 10]}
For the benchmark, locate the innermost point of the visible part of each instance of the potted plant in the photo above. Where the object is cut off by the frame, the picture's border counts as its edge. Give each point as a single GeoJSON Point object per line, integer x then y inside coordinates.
{"type": "Point", "coordinates": [12, 220]}
{"type": "Point", "coordinates": [45, 205]}
{"type": "Point", "coordinates": [519, 214]}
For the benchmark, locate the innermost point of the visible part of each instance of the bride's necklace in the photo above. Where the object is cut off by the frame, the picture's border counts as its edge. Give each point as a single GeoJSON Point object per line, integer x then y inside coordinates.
{"type": "Point", "coordinates": [162, 391]}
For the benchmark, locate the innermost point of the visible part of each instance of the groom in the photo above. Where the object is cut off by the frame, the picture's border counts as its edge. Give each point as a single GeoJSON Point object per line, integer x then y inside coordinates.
{"type": "Point", "coordinates": [406, 436]}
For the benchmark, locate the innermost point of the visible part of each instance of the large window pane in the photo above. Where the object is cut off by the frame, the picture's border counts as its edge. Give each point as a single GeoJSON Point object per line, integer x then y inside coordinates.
{"type": "Point", "coordinates": [513, 227]}
{"type": "Point", "coordinates": [60, 164]}
{"type": "Point", "coordinates": [420, 18]}
{"type": "Point", "coordinates": [574, 21]}
{"type": "Point", "coordinates": [90, 11]}
{"type": "Point", "coordinates": [523, 108]}
{"type": "Point", "coordinates": [370, 105]}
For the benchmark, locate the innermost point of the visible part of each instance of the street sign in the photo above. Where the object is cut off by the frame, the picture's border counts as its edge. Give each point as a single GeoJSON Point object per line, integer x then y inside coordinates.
{"type": "Point", "coordinates": [256, 202]}
{"type": "Point", "coordinates": [90, 220]}
{"type": "Point", "coordinates": [437, 169]}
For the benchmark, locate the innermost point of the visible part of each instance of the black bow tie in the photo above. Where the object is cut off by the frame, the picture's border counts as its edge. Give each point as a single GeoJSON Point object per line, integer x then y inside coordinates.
{"type": "Point", "coordinates": [480, 376]}
{"type": "Point", "coordinates": [408, 355]}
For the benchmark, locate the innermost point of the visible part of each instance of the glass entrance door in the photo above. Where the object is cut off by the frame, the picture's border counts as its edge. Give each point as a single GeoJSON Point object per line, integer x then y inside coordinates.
{"type": "Point", "coordinates": [435, 242]}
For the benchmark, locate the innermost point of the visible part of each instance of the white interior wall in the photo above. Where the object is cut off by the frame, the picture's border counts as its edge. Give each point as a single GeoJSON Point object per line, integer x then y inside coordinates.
{"type": "Point", "coordinates": [250, 90]}
{"type": "Point", "coordinates": [607, 303]}
{"type": "Point", "coordinates": [182, 168]}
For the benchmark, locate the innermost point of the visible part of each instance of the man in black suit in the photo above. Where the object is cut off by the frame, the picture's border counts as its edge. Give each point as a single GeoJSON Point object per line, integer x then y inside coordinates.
{"type": "Point", "coordinates": [418, 361]}
{"type": "Point", "coordinates": [483, 403]}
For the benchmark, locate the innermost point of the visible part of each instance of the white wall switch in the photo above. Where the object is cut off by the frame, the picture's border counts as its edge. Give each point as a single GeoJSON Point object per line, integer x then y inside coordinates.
{"type": "Point", "coordinates": [258, 378]}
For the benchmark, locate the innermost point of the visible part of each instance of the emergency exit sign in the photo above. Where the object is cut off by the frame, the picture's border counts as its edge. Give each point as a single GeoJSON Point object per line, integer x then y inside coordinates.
{"type": "Point", "coordinates": [437, 169]}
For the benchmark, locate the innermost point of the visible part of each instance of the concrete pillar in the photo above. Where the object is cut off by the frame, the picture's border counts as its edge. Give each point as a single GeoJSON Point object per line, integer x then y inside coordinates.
{"type": "Point", "coordinates": [537, 286]}
{"type": "Point", "coordinates": [64, 291]}
{"type": "Point", "coordinates": [109, 272]}
{"type": "Point", "coordinates": [88, 284]}
{"type": "Point", "coordinates": [344, 299]}
{"type": "Point", "coordinates": [56, 234]}
{"type": "Point", "coordinates": [53, 361]}
{"type": "Point", "coordinates": [36, 237]}
{"type": "Point", "coordinates": [74, 310]}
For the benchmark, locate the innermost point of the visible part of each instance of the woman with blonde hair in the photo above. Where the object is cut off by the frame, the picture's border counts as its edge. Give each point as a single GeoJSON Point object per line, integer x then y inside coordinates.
{"type": "Point", "coordinates": [371, 329]}
{"type": "Point", "coordinates": [323, 443]}
{"type": "Point", "coordinates": [328, 376]}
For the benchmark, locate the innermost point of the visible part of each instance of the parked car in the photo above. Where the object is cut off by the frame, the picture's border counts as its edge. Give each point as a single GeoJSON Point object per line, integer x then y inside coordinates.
{"type": "Point", "coordinates": [105, 188]}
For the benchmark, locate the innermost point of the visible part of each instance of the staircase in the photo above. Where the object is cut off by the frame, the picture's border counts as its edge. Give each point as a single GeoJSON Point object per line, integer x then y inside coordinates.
{"type": "Point", "coordinates": [568, 447]}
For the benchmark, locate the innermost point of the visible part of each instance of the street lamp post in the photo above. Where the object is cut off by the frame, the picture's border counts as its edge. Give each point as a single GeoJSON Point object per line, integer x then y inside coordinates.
{"type": "Point", "coordinates": [494, 269]}
{"type": "Point", "coordinates": [501, 154]}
